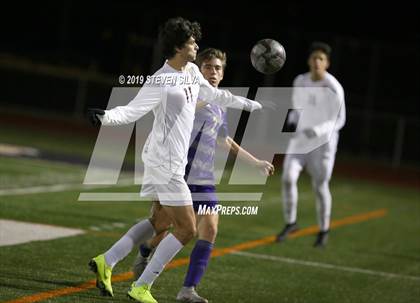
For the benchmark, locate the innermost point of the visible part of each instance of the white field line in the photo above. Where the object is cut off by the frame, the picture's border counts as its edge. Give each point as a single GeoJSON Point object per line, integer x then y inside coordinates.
{"type": "Point", "coordinates": [327, 266]}
{"type": "Point", "coordinates": [15, 232]}
{"type": "Point", "coordinates": [58, 188]}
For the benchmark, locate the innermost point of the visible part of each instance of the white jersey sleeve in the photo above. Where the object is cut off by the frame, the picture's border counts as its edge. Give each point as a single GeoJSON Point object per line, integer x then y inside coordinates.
{"type": "Point", "coordinates": [146, 99]}
{"type": "Point", "coordinates": [341, 118]}
{"type": "Point", "coordinates": [224, 98]}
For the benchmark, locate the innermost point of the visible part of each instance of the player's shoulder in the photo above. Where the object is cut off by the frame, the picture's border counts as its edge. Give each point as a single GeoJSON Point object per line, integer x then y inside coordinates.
{"type": "Point", "coordinates": [300, 79]}
{"type": "Point", "coordinates": [192, 69]}
{"type": "Point", "coordinates": [156, 80]}
{"type": "Point", "coordinates": [333, 82]}
{"type": "Point", "coordinates": [195, 73]}
{"type": "Point", "coordinates": [162, 70]}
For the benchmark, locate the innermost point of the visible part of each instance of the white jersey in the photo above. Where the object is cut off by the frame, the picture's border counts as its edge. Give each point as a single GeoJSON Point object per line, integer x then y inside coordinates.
{"type": "Point", "coordinates": [305, 80]}
{"type": "Point", "coordinates": [324, 112]}
{"type": "Point", "coordinates": [172, 95]}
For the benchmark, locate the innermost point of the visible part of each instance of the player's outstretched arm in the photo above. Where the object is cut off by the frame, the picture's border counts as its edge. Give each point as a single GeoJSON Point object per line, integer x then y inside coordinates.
{"type": "Point", "coordinates": [264, 166]}
{"type": "Point", "coordinates": [224, 98]}
{"type": "Point", "coordinates": [146, 99]}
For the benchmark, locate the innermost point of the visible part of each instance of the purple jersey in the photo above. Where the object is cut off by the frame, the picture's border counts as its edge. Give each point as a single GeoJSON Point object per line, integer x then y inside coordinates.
{"type": "Point", "coordinates": [209, 124]}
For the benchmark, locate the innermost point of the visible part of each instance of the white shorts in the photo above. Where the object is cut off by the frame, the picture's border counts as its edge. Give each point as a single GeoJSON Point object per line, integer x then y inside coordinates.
{"type": "Point", "coordinates": [319, 163]}
{"type": "Point", "coordinates": [162, 185]}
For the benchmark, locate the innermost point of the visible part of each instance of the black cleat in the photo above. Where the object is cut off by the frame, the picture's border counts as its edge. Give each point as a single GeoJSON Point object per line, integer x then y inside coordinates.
{"type": "Point", "coordinates": [288, 229]}
{"type": "Point", "coordinates": [321, 239]}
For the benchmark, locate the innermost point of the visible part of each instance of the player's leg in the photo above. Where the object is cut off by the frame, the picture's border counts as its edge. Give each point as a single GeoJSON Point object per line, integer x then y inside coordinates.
{"type": "Point", "coordinates": [323, 207]}
{"type": "Point", "coordinates": [139, 233]}
{"type": "Point", "coordinates": [320, 168]}
{"type": "Point", "coordinates": [207, 231]}
{"type": "Point", "coordinates": [146, 251]}
{"type": "Point", "coordinates": [175, 198]}
{"type": "Point", "coordinates": [200, 255]}
{"type": "Point", "coordinates": [103, 264]}
{"type": "Point", "coordinates": [142, 231]}
{"type": "Point", "coordinates": [146, 248]}
{"type": "Point", "coordinates": [292, 167]}
{"type": "Point", "coordinates": [182, 218]}
{"type": "Point", "coordinates": [207, 227]}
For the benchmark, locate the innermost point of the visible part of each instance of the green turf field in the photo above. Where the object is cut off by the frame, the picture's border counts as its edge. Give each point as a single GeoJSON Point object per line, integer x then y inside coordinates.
{"type": "Point", "coordinates": [350, 269]}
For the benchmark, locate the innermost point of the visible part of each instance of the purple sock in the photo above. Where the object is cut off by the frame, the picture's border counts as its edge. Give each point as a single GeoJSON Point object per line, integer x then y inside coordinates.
{"type": "Point", "coordinates": [199, 258]}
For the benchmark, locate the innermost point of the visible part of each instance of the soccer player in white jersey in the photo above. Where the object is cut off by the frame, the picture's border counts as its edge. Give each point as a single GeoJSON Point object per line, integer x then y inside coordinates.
{"type": "Point", "coordinates": [320, 162]}
{"type": "Point", "coordinates": [210, 129]}
{"type": "Point", "coordinates": [172, 96]}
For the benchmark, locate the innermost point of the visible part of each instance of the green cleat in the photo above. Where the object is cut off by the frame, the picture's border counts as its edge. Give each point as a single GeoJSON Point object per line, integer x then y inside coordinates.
{"type": "Point", "coordinates": [103, 275]}
{"type": "Point", "coordinates": [141, 293]}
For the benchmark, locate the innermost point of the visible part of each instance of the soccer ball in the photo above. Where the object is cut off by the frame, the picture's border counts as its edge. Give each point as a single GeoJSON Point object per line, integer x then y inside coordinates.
{"type": "Point", "coordinates": [268, 56]}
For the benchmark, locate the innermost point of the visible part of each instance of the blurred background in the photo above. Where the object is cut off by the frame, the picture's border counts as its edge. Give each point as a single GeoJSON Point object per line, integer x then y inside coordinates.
{"type": "Point", "coordinates": [59, 58]}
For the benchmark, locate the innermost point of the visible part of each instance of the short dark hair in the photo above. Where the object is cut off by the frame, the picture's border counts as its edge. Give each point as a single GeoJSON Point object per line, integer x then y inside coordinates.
{"type": "Point", "coordinates": [320, 46]}
{"type": "Point", "coordinates": [175, 33]}
{"type": "Point", "coordinates": [211, 53]}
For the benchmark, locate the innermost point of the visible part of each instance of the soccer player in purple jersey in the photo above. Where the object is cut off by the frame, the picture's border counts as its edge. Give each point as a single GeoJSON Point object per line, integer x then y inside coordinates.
{"type": "Point", "coordinates": [209, 129]}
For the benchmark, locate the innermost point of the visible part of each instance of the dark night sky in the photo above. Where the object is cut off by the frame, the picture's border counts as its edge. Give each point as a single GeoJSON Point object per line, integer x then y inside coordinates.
{"type": "Point", "coordinates": [376, 53]}
{"type": "Point", "coordinates": [117, 37]}
{"type": "Point", "coordinates": [72, 27]}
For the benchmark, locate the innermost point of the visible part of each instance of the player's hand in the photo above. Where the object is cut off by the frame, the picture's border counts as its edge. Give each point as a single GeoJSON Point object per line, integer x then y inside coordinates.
{"type": "Point", "coordinates": [265, 167]}
{"type": "Point", "coordinates": [94, 116]}
{"type": "Point", "coordinates": [200, 104]}
{"type": "Point", "coordinates": [253, 105]}
{"type": "Point", "coordinates": [309, 132]}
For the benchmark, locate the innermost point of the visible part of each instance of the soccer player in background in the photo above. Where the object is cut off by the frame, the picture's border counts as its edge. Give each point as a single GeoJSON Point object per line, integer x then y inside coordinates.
{"type": "Point", "coordinates": [172, 96]}
{"type": "Point", "coordinates": [320, 162]}
{"type": "Point", "coordinates": [210, 129]}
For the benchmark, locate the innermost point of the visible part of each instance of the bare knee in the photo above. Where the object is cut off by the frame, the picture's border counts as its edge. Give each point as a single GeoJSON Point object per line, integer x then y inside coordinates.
{"type": "Point", "coordinates": [191, 231]}
{"type": "Point", "coordinates": [186, 232]}
{"type": "Point", "coordinates": [162, 226]}
{"type": "Point", "coordinates": [183, 219]}
{"type": "Point", "coordinates": [159, 219]}
{"type": "Point", "coordinates": [207, 227]}
{"type": "Point", "coordinates": [213, 231]}
{"type": "Point", "coordinates": [210, 233]}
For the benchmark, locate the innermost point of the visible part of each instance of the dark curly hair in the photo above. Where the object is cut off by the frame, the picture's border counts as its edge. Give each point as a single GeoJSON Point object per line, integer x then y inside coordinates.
{"type": "Point", "coordinates": [175, 33]}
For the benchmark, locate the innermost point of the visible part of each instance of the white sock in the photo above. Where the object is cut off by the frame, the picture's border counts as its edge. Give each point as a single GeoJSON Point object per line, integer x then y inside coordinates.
{"type": "Point", "coordinates": [165, 251]}
{"type": "Point", "coordinates": [290, 200]}
{"type": "Point", "coordinates": [137, 234]}
{"type": "Point", "coordinates": [323, 204]}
